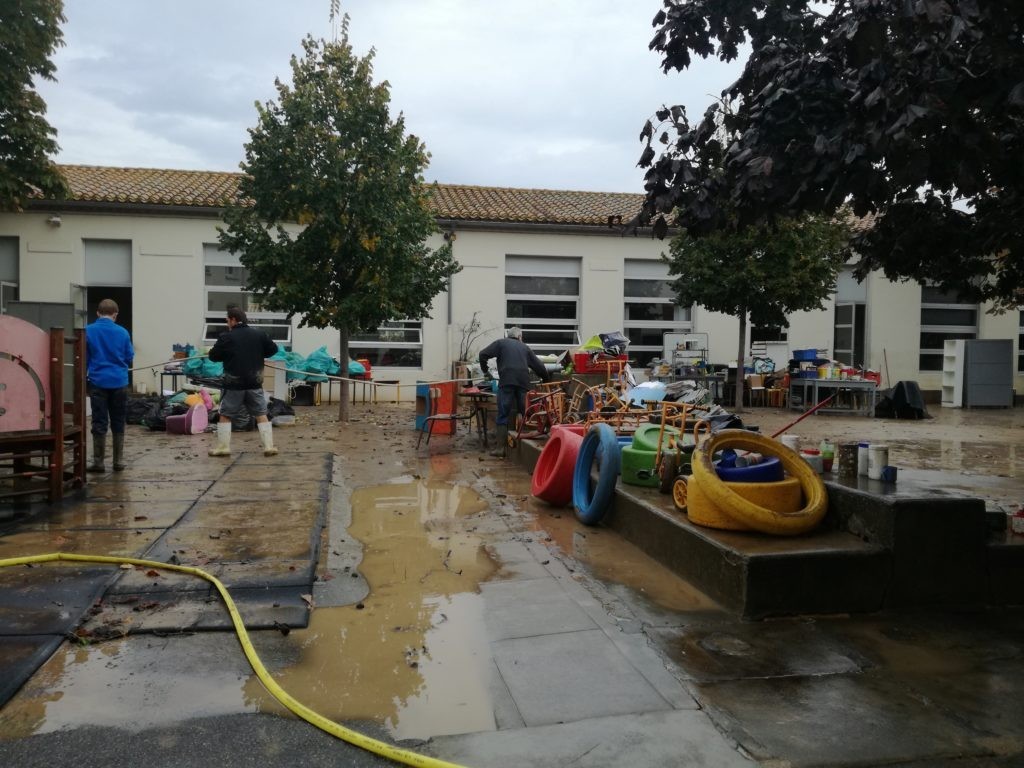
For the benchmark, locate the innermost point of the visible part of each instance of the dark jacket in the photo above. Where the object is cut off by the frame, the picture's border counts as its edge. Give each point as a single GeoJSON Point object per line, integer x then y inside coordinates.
{"type": "Point", "coordinates": [515, 360]}
{"type": "Point", "coordinates": [243, 350]}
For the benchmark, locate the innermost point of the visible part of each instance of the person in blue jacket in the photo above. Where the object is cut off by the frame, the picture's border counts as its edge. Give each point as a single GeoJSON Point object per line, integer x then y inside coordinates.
{"type": "Point", "coordinates": [109, 355]}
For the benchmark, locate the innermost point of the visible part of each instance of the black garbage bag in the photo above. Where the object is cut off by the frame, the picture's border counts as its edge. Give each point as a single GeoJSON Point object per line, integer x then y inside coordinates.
{"type": "Point", "coordinates": [277, 407]}
{"type": "Point", "coordinates": [904, 401]}
{"type": "Point", "coordinates": [156, 418]}
{"type": "Point", "coordinates": [138, 407]}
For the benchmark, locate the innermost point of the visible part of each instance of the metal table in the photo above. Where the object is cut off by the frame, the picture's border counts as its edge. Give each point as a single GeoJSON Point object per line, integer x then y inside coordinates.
{"type": "Point", "coordinates": [852, 396]}
{"type": "Point", "coordinates": [479, 405]}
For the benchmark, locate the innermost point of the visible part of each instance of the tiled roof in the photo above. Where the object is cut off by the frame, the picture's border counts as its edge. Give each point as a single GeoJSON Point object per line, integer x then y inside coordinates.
{"type": "Point", "coordinates": [547, 206]}
{"type": "Point", "coordinates": [150, 186]}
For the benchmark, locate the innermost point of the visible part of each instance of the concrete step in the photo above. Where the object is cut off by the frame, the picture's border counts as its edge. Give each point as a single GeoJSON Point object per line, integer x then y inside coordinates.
{"type": "Point", "coordinates": [880, 546]}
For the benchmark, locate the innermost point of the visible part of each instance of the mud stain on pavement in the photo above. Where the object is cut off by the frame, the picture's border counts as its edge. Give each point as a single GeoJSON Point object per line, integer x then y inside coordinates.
{"type": "Point", "coordinates": [612, 559]}
{"type": "Point", "coordinates": [413, 655]}
{"type": "Point", "coordinates": [111, 685]}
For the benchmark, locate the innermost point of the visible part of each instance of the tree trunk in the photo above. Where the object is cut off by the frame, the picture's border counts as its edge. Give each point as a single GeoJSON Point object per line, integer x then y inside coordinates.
{"type": "Point", "coordinates": [343, 359]}
{"type": "Point", "coordinates": [740, 360]}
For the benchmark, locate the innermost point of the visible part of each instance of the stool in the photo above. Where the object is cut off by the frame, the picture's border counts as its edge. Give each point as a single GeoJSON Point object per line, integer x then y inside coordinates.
{"type": "Point", "coordinates": [191, 423]}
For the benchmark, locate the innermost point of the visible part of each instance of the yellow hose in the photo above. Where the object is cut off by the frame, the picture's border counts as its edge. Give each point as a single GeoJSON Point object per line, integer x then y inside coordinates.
{"type": "Point", "coordinates": [397, 754]}
{"type": "Point", "coordinates": [753, 515]}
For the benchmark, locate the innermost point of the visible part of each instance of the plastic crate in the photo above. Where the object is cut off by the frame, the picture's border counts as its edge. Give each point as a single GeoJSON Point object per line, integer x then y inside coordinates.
{"type": "Point", "coordinates": [583, 363]}
{"type": "Point", "coordinates": [805, 355]}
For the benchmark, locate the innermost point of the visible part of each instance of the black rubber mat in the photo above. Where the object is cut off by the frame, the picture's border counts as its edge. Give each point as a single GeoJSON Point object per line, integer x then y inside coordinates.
{"type": "Point", "coordinates": [20, 657]}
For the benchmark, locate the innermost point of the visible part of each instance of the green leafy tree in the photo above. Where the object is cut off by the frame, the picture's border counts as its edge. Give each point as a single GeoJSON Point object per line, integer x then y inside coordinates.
{"type": "Point", "coordinates": [29, 34]}
{"type": "Point", "coordinates": [912, 111]}
{"type": "Point", "coordinates": [763, 274]}
{"type": "Point", "coordinates": [328, 156]}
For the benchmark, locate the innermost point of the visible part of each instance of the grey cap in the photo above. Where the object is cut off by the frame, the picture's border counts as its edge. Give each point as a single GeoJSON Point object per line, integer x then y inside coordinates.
{"type": "Point", "coordinates": [515, 332]}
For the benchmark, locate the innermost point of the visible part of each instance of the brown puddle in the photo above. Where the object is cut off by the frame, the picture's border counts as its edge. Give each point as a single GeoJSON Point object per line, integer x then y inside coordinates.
{"type": "Point", "coordinates": [415, 656]}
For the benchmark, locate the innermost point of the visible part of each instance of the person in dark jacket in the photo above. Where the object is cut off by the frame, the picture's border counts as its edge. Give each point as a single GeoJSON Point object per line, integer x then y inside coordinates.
{"type": "Point", "coordinates": [515, 361]}
{"type": "Point", "coordinates": [242, 349]}
{"type": "Point", "coordinates": [109, 354]}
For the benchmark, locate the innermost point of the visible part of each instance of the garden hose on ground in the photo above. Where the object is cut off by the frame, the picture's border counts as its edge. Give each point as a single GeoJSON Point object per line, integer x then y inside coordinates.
{"type": "Point", "coordinates": [394, 753]}
{"type": "Point", "coordinates": [753, 515]}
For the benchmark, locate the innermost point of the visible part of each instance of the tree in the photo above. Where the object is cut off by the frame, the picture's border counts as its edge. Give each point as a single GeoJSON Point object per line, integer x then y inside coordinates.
{"type": "Point", "coordinates": [763, 274]}
{"type": "Point", "coordinates": [29, 34]}
{"type": "Point", "coordinates": [328, 156]}
{"type": "Point", "coordinates": [910, 111]}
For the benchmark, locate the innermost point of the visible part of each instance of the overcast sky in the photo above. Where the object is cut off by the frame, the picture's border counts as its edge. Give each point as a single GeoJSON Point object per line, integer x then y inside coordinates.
{"type": "Point", "coordinates": [528, 93]}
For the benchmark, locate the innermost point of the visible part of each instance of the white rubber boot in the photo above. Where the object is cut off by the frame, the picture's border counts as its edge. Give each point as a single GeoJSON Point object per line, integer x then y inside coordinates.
{"type": "Point", "coordinates": [267, 438]}
{"type": "Point", "coordinates": [223, 446]}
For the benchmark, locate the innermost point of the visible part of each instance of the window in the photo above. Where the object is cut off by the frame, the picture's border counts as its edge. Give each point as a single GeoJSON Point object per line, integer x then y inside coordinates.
{"type": "Point", "coordinates": [1020, 342]}
{"type": "Point", "coordinates": [759, 334]}
{"type": "Point", "coordinates": [649, 310]}
{"type": "Point", "coordinates": [224, 285]}
{"type": "Point", "coordinates": [397, 343]}
{"type": "Point", "coordinates": [108, 262]}
{"type": "Point", "coordinates": [850, 318]}
{"type": "Point", "coordinates": [8, 272]}
{"type": "Point", "coordinates": [943, 317]}
{"type": "Point", "coordinates": [542, 297]}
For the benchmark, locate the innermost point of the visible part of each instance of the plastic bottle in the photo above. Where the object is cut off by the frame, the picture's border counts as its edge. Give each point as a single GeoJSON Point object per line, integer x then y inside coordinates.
{"type": "Point", "coordinates": [862, 459]}
{"type": "Point", "coordinates": [828, 454]}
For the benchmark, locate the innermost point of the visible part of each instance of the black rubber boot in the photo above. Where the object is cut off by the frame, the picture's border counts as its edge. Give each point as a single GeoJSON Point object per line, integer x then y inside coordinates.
{"type": "Point", "coordinates": [99, 453]}
{"type": "Point", "coordinates": [119, 464]}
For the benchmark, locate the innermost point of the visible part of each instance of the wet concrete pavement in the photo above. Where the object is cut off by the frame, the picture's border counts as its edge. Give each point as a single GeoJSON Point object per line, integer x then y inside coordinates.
{"type": "Point", "coordinates": [458, 615]}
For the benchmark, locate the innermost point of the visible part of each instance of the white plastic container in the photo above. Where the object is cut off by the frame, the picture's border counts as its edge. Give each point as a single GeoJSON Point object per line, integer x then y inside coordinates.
{"type": "Point", "coordinates": [791, 441]}
{"type": "Point", "coordinates": [813, 457]}
{"type": "Point", "coordinates": [862, 459]}
{"type": "Point", "coordinates": [878, 457]}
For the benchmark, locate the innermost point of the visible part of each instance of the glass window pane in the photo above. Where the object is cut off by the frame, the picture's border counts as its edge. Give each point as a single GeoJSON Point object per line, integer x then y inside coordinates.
{"type": "Point", "coordinates": [218, 301]}
{"type": "Point", "coordinates": [844, 339]}
{"type": "Point", "coordinates": [384, 356]}
{"type": "Point", "coordinates": [934, 340]}
{"type": "Point", "coordinates": [8, 259]}
{"type": "Point", "coordinates": [645, 337]}
{"type": "Point", "coordinates": [389, 336]}
{"type": "Point", "coordinates": [652, 312]}
{"type": "Point", "coordinates": [948, 316]}
{"type": "Point", "coordinates": [553, 310]}
{"type": "Point", "coordinates": [644, 289]}
{"type": "Point", "coordinates": [844, 314]}
{"type": "Point", "coordinates": [542, 286]}
{"type": "Point", "coordinates": [932, 295]}
{"type": "Point", "coordinates": [550, 337]}
{"type": "Point", "coordinates": [229, 276]}
{"type": "Point", "coordinates": [930, 362]}
{"type": "Point", "coordinates": [768, 333]}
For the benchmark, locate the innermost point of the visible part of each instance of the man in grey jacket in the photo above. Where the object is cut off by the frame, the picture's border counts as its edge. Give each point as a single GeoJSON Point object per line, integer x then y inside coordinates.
{"type": "Point", "coordinates": [515, 360]}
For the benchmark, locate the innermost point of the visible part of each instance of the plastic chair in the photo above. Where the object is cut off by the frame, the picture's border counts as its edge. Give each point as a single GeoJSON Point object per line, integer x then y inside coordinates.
{"type": "Point", "coordinates": [433, 416]}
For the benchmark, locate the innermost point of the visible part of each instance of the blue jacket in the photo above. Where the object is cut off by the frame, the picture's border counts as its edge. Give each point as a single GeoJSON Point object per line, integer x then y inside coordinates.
{"type": "Point", "coordinates": [109, 354]}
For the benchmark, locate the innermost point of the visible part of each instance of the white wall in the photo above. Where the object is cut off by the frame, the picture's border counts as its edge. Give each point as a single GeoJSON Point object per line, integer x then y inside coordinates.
{"type": "Point", "coordinates": [168, 293]}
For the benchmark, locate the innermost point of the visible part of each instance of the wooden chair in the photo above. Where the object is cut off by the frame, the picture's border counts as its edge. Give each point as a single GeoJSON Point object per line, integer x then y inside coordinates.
{"type": "Point", "coordinates": [778, 393]}
{"type": "Point", "coordinates": [434, 415]}
{"type": "Point", "coordinates": [755, 389]}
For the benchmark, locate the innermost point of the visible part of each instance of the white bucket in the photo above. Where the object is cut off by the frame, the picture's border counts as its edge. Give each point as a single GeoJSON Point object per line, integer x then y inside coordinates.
{"type": "Point", "coordinates": [878, 457]}
{"type": "Point", "coordinates": [791, 441]}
